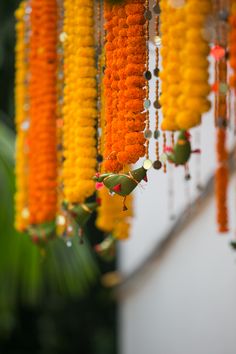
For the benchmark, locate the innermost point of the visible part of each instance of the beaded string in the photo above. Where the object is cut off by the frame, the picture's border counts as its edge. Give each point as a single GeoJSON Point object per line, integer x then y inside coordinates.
{"type": "Point", "coordinates": [164, 149]}
{"type": "Point", "coordinates": [61, 220]}
{"type": "Point", "coordinates": [157, 164]}
{"type": "Point", "coordinates": [99, 83]}
{"type": "Point", "coordinates": [148, 75]}
{"type": "Point", "coordinates": [198, 161]}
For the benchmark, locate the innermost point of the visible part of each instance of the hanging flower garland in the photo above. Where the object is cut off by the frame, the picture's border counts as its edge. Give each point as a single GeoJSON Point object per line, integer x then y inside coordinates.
{"type": "Point", "coordinates": [42, 95]}
{"type": "Point", "coordinates": [79, 101]}
{"type": "Point", "coordinates": [173, 28]}
{"type": "Point", "coordinates": [124, 84]}
{"type": "Point", "coordinates": [221, 121]}
{"type": "Point", "coordinates": [134, 146]}
{"type": "Point", "coordinates": [21, 120]}
{"type": "Point", "coordinates": [195, 88]}
{"type": "Point", "coordinates": [232, 44]}
{"type": "Point", "coordinates": [111, 219]}
{"type": "Point", "coordinates": [185, 65]}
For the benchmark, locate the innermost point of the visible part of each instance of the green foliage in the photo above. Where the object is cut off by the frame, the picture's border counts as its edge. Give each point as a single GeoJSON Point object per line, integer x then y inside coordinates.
{"type": "Point", "coordinates": [24, 271]}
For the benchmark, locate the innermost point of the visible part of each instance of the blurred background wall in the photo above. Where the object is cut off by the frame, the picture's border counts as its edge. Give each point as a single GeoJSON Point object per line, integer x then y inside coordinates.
{"type": "Point", "coordinates": [184, 301]}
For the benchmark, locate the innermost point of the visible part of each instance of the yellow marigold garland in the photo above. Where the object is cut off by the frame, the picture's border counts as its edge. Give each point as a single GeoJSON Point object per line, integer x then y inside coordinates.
{"type": "Point", "coordinates": [173, 28]}
{"type": "Point", "coordinates": [185, 66]}
{"type": "Point", "coordinates": [79, 100]}
{"type": "Point", "coordinates": [21, 119]}
{"type": "Point", "coordinates": [111, 218]}
{"type": "Point", "coordinates": [195, 87]}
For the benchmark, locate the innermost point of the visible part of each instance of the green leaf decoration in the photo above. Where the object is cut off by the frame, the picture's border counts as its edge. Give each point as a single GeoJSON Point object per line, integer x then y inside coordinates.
{"type": "Point", "coordinates": [83, 212]}
{"type": "Point", "coordinates": [123, 183]}
{"type": "Point", "coordinates": [106, 249]}
{"type": "Point", "coordinates": [182, 149]}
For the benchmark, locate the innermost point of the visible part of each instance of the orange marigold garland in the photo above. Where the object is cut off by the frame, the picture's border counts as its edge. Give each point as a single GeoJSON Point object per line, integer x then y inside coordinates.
{"type": "Point", "coordinates": [21, 120]}
{"type": "Point", "coordinates": [110, 217]}
{"type": "Point", "coordinates": [111, 86]}
{"type": "Point", "coordinates": [135, 83]}
{"type": "Point", "coordinates": [221, 120]}
{"type": "Point", "coordinates": [42, 94]}
{"type": "Point", "coordinates": [124, 84]}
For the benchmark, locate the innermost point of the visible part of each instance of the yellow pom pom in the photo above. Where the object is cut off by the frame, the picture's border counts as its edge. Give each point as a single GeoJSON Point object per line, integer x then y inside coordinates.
{"type": "Point", "coordinates": [169, 125]}
{"type": "Point", "coordinates": [188, 119]}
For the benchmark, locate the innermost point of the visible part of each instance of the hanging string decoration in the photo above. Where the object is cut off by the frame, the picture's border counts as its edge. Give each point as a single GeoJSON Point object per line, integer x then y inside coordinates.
{"type": "Point", "coordinates": [111, 219]}
{"type": "Point", "coordinates": [173, 29]}
{"type": "Point", "coordinates": [221, 121]}
{"type": "Point", "coordinates": [21, 120]}
{"type": "Point", "coordinates": [61, 214]}
{"type": "Point", "coordinates": [157, 163]}
{"type": "Point", "coordinates": [195, 87]}
{"type": "Point", "coordinates": [79, 111]}
{"type": "Point", "coordinates": [232, 44]}
{"type": "Point", "coordinates": [185, 66]}
{"type": "Point", "coordinates": [124, 84]}
{"type": "Point", "coordinates": [83, 106]}
{"type": "Point", "coordinates": [42, 130]}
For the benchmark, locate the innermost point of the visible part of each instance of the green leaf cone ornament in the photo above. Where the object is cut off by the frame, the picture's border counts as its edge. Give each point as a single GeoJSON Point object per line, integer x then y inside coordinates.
{"type": "Point", "coordinates": [181, 152]}
{"type": "Point", "coordinates": [41, 234]}
{"type": "Point", "coordinates": [82, 212]}
{"type": "Point", "coordinates": [123, 183]}
{"type": "Point", "coordinates": [106, 249]}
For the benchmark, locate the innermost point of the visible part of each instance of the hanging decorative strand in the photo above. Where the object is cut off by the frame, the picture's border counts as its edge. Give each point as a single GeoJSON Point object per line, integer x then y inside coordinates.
{"type": "Point", "coordinates": [173, 28]}
{"type": "Point", "coordinates": [62, 215]}
{"type": "Point", "coordinates": [221, 121]}
{"type": "Point", "coordinates": [100, 64]}
{"type": "Point", "coordinates": [21, 119]}
{"type": "Point", "coordinates": [135, 83]}
{"type": "Point", "coordinates": [42, 95]}
{"type": "Point", "coordinates": [79, 100]}
{"type": "Point", "coordinates": [147, 76]}
{"type": "Point", "coordinates": [110, 217]}
{"type": "Point", "coordinates": [193, 100]}
{"type": "Point", "coordinates": [157, 164]}
{"type": "Point", "coordinates": [124, 83]}
{"type": "Point", "coordinates": [232, 44]}
{"type": "Point", "coordinates": [185, 65]}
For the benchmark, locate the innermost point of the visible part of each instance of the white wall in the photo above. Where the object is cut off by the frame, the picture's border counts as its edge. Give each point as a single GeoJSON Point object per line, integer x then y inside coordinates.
{"type": "Point", "coordinates": [187, 305]}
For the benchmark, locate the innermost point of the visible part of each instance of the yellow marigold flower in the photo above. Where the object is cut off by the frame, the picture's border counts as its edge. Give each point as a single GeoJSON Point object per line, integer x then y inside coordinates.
{"type": "Point", "coordinates": [21, 120]}
{"type": "Point", "coordinates": [79, 101]}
